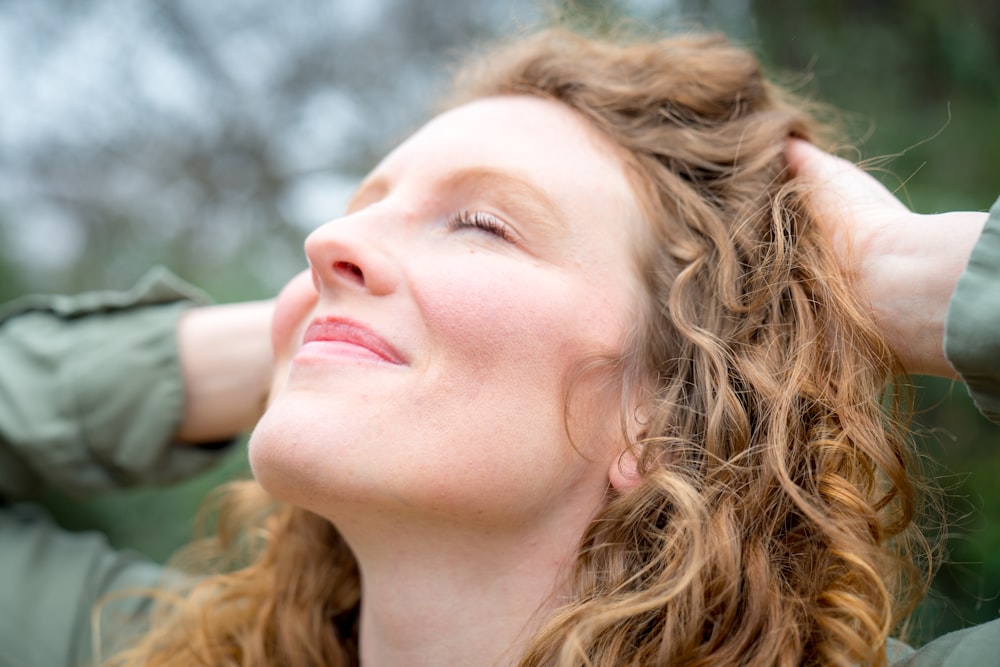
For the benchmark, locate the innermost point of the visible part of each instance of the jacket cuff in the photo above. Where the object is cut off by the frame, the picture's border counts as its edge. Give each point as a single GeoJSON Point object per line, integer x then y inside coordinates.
{"type": "Point", "coordinates": [972, 328]}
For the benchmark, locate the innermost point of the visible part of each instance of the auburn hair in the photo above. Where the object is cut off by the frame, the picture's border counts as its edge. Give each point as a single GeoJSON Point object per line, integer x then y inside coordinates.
{"type": "Point", "coordinates": [774, 520]}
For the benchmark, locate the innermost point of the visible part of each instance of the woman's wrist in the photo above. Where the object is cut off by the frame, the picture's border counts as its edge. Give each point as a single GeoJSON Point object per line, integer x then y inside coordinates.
{"type": "Point", "coordinates": [909, 270]}
{"type": "Point", "coordinates": [226, 361]}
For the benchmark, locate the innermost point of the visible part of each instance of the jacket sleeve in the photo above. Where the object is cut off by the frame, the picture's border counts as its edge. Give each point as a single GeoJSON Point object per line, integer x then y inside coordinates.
{"type": "Point", "coordinates": [975, 646]}
{"type": "Point", "coordinates": [60, 590]}
{"type": "Point", "coordinates": [91, 390]}
{"type": "Point", "coordinates": [90, 395]}
{"type": "Point", "coordinates": [972, 330]}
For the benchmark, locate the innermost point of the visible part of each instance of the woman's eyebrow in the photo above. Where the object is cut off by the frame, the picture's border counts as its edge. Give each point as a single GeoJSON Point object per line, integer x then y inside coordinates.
{"type": "Point", "coordinates": [512, 192]}
{"type": "Point", "coordinates": [515, 194]}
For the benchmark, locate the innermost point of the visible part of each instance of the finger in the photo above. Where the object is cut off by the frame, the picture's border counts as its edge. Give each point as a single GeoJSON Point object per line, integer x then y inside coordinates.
{"type": "Point", "coordinates": [809, 162]}
{"type": "Point", "coordinates": [838, 182]}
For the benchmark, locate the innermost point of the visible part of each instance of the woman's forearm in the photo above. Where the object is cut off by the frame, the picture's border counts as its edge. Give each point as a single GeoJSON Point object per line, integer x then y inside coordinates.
{"type": "Point", "coordinates": [910, 271]}
{"type": "Point", "coordinates": [226, 361]}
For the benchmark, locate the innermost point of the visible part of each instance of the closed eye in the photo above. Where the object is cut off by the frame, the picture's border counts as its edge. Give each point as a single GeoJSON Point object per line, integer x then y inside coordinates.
{"type": "Point", "coordinates": [481, 220]}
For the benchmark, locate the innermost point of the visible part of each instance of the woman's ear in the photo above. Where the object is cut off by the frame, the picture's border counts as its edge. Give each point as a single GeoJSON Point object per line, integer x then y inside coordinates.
{"type": "Point", "coordinates": [624, 472]}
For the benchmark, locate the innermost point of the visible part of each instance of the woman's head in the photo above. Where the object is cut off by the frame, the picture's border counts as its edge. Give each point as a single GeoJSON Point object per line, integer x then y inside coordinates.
{"type": "Point", "coordinates": [478, 266]}
{"type": "Point", "coordinates": [606, 167]}
{"type": "Point", "coordinates": [650, 261]}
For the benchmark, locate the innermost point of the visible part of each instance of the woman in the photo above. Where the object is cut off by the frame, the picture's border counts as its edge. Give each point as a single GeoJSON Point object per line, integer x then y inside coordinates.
{"type": "Point", "coordinates": [576, 380]}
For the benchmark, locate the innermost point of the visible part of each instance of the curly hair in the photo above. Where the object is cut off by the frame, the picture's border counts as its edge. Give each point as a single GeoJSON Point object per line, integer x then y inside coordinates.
{"type": "Point", "coordinates": [773, 523]}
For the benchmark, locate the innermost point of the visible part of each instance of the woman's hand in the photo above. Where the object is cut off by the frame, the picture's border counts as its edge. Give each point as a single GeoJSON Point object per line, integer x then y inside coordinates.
{"type": "Point", "coordinates": [227, 364]}
{"type": "Point", "coordinates": [905, 264]}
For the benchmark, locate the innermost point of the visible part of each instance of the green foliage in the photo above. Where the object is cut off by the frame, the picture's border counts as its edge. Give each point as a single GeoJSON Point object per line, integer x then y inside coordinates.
{"type": "Point", "coordinates": [922, 75]}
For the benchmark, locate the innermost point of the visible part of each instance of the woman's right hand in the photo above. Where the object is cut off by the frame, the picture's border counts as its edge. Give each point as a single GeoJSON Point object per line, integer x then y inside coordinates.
{"type": "Point", "coordinates": [227, 364]}
{"type": "Point", "coordinates": [905, 264]}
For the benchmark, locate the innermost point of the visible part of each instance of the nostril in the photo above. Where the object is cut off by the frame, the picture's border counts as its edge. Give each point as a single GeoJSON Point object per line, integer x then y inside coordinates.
{"type": "Point", "coordinates": [350, 269]}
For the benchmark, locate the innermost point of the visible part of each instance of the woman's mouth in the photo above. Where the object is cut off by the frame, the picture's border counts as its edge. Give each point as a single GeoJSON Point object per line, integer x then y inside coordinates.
{"type": "Point", "coordinates": [340, 337]}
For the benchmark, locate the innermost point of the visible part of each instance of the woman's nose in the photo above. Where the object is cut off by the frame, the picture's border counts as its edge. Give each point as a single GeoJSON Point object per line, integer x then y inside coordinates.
{"type": "Point", "coordinates": [350, 253]}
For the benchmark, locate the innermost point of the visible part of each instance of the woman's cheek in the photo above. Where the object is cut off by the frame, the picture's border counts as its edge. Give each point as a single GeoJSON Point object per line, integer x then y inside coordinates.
{"type": "Point", "coordinates": [490, 315]}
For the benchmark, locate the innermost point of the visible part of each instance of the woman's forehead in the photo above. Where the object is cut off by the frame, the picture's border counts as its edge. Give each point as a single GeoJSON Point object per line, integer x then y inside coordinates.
{"type": "Point", "coordinates": [539, 147]}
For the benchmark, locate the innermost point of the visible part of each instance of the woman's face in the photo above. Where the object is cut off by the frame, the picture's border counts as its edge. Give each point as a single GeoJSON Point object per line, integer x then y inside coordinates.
{"type": "Point", "coordinates": [423, 360]}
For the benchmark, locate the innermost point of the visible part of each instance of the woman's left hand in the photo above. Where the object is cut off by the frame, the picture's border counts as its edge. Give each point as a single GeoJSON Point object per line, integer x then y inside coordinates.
{"type": "Point", "coordinates": [905, 264]}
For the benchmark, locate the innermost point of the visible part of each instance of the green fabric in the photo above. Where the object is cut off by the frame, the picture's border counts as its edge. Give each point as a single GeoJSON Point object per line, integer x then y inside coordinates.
{"type": "Point", "coordinates": [90, 395]}
{"type": "Point", "coordinates": [978, 646]}
{"type": "Point", "coordinates": [972, 340]}
{"type": "Point", "coordinates": [51, 580]}
{"type": "Point", "coordinates": [90, 390]}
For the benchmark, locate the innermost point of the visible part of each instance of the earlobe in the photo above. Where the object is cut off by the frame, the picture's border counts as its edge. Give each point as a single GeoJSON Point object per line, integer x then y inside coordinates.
{"type": "Point", "coordinates": [624, 473]}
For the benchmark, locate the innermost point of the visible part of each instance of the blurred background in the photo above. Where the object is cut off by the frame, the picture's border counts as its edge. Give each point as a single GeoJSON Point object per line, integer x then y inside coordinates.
{"type": "Point", "coordinates": [211, 137]}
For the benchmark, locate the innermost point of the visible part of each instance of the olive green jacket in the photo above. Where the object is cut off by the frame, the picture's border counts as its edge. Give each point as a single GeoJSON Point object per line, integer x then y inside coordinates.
{"type": "Point", "coordinates": [91, 393]}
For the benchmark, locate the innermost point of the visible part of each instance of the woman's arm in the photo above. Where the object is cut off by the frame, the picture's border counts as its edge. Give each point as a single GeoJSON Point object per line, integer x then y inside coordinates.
{"type": "Point", "coordinates": [96, 389]}
{"type": "Point", "coordinates": [225, 355]}
{"type": "Point", "coordinates": [51, 582]}
{"type": "Point", "coordinates": [906, 264]}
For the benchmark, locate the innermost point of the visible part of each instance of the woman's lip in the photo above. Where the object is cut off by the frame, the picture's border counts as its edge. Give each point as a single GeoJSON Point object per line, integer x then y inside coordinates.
{"type": "Point", "coordinates": [343, 333]}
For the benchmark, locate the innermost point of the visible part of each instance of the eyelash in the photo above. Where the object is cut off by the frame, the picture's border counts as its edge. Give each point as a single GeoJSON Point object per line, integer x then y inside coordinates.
{"type": "Point", "coordinates": [480, 220]}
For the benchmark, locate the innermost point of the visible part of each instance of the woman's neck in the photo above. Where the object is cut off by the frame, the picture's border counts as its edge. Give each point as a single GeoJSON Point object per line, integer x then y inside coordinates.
{"type": "Point", "coordinates": [443, 595]}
